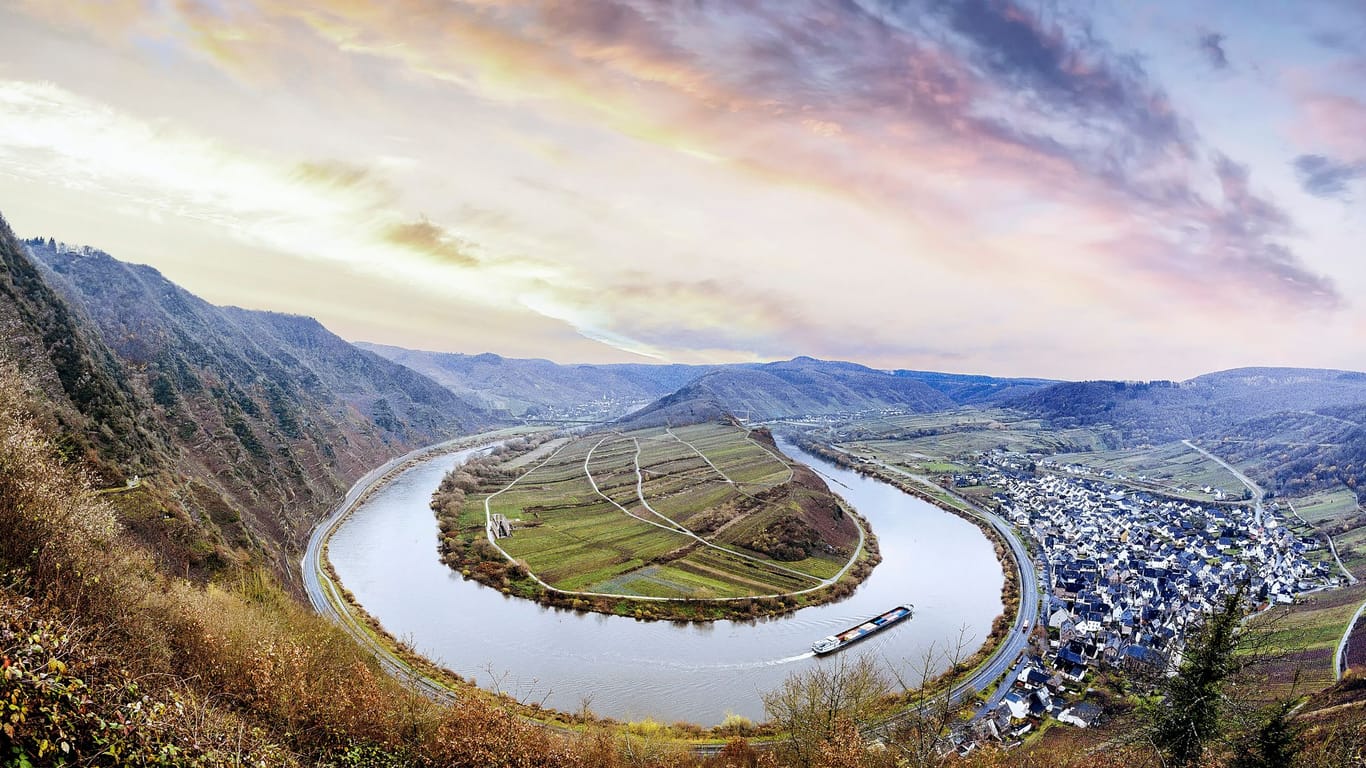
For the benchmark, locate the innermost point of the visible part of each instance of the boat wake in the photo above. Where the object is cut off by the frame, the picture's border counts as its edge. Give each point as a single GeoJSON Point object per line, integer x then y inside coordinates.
{"type": "Point", "coordinates": [737, 665]}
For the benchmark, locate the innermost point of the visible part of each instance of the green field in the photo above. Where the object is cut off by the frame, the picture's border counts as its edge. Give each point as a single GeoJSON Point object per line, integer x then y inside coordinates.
{"type": "Point", "coordinates": [1326, 505]}
{"type": "Point", "coordinates": [1174, 468]}
{"type": "Point", "coordinates": [1302, 639]}
{"type": "Point", "coordinates": [914, 439]}
{"type": "Point", "coordinates": [1305, 636]}
{"type": "Point", "coordinates": [1352, 549]}
{"type": "Point", "coordinates": [662, 513]}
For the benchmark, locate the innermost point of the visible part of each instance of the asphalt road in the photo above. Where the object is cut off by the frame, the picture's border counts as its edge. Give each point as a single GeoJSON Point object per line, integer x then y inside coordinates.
{"type": "Point", "coordinates": [1340, 658]}
{"type": "Point", "coordinates": [324, 594]}
{"type": "Point", "coordinates": [1257, 493]}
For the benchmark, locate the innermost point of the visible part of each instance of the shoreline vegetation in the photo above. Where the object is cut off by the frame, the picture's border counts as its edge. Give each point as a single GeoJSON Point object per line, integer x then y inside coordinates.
{"type": "Point", "coordinates": [459, 505]}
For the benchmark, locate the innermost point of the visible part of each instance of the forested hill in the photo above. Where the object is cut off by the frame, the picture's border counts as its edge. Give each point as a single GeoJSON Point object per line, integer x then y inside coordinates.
{"type": "Point", "coordinates": [244, 427]}
{"type": "Point", "coordinates": [1156, 411]}
{"type": "Point", "coordinates": [802, 386]}
{"type": "Point", "coordinates": [965, 389]}
{"type": "Point", "coordinates": [1312, 421]}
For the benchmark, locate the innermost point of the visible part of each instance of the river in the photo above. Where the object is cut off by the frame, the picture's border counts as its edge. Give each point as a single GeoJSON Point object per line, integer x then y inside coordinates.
{"type": "Point", "coordinates": [385, 553]}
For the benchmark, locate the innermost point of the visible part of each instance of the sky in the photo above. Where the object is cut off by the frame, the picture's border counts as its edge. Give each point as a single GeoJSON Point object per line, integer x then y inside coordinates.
{"type": "Point", "coordinates": [1061, 189]}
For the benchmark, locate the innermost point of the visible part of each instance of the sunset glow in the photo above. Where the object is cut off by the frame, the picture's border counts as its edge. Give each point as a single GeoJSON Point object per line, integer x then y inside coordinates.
{"type": "Point", "coordinates": [972, 187]}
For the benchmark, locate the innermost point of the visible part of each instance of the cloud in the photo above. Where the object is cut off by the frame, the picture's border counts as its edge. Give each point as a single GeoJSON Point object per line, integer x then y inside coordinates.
{"type": "Point", "coordinates": [321, 211]}
{"type": "Point", "coordinates": [1324, 177]}
{"type": "Point", "coordinates": [334, 173]}
{"type": "Point", "coordinates": [1337, 121]}
{"type": "Point", "coordinates": [1211, 44]}
{"type": "Point", "coordinates": [954, 125]}
{"type": "Point", "coordinates": [427, 238]}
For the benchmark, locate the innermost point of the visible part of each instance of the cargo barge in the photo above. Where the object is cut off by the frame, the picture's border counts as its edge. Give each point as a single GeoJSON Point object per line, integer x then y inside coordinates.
{"type": "Point", "coordinates": [854, 634]}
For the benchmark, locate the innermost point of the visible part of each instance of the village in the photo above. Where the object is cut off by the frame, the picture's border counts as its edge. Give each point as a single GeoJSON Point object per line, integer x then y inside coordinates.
{"type": "Point", "coordinates": [1126, 575]}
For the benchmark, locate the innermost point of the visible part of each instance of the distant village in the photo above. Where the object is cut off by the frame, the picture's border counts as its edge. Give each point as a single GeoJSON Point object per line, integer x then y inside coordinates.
{"type": "Point", "coordinates": [1125, 575]}
{"type": "Point", "coordinates": [605, 408]}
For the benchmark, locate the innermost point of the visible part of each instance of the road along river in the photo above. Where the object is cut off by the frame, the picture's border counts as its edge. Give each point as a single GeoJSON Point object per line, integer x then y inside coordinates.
{"type": "Point", "coordinates": [385, 554]}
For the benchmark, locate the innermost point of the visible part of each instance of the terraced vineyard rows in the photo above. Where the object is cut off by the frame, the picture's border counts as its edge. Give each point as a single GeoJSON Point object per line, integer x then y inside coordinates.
{"type": "Point", "coordinates": [690, 512]}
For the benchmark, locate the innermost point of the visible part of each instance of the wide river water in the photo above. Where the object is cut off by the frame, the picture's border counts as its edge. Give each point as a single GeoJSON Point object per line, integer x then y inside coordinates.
{"type": "Point", "coordinates": [385, 553]}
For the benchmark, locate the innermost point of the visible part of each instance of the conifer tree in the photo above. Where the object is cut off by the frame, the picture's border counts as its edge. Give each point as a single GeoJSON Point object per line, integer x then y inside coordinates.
{"type": "Point", "coordinates": [1188, 716]}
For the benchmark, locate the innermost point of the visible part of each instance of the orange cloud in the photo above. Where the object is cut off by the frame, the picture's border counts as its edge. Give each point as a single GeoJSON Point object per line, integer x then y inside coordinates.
{"type": "Point", "coordinates": [427, 238]}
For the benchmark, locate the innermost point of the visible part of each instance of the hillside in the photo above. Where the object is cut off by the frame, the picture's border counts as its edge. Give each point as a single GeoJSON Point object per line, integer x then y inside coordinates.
{"type": "Point", "coordinates": [105, 661]}
{"type": "Point", "coordinates": [1292, 423]}
{"type": "Point", "coordinates": [87, 394]}
{"type": "Point", "coordinates": [543, 388]}
{"type": "Point", "coordinates": [966, 389]}
{"type": "Point", "coordinates": [241, 428]}
{"type": "Point", "coordinates": [802, 386]}
{"type": "Point", "coordinates": [1165, 410]}
{"type": "Point", "coordinates": [690, 405]}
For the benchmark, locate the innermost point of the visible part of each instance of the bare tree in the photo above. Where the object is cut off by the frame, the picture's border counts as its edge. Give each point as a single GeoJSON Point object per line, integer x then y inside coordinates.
{"type": "Point", "coordinates": [809, 705]}
{"type": "Point", "coordinates": [917, 733]}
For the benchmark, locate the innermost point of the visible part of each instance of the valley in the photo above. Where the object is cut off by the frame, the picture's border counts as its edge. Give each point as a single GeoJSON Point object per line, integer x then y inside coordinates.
{"type": "Point", "coordinates": [1066, 534]}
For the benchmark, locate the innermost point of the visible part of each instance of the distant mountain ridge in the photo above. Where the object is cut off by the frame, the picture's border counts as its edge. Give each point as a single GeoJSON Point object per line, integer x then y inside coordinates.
{"type": "Point", "coordinates": [1312, 421]}
{"type": "Point", "coordinates": [803, 386]}
{"type": "Point", "coordinates": [531, 387]}
{"type": "Point", "coordinates": [1167, 410]}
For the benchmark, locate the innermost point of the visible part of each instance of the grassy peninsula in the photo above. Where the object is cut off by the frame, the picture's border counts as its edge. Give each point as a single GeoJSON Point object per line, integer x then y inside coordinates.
{"type": "Point", "coordinates": [694, 522]}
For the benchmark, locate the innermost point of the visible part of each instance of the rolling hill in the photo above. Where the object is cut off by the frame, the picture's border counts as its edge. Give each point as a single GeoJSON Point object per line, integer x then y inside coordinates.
{"type": "Point", "coordinates": [967, 389]}
{"type": "Point", "coordinates": [1300, 427]}
{"type": "Point", "coordinates": [802, 386]}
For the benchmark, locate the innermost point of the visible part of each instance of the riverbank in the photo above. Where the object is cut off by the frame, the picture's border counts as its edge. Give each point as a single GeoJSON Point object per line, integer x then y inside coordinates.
{"type": "Point", "coordinates": [331, 598]}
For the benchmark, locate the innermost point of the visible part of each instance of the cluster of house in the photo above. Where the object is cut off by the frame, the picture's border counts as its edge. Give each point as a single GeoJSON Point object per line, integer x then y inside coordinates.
{"type": "Point", "coordinates": [1039, 692]}
{"type": "Point", "coordinates": [1127, 574]}
{"type": "Point", "coordinates": [604, 408]}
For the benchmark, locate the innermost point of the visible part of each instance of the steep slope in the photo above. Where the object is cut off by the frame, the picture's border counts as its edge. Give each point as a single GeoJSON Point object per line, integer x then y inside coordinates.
{"type": "Point", "coordinates": [92, 403]}
{"type": "Point", "coordinates": [541, 387]}
{"type": "Point", "coordinates": [802, 386]}
{"type": "Point", "coordinates": [257, 422]}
